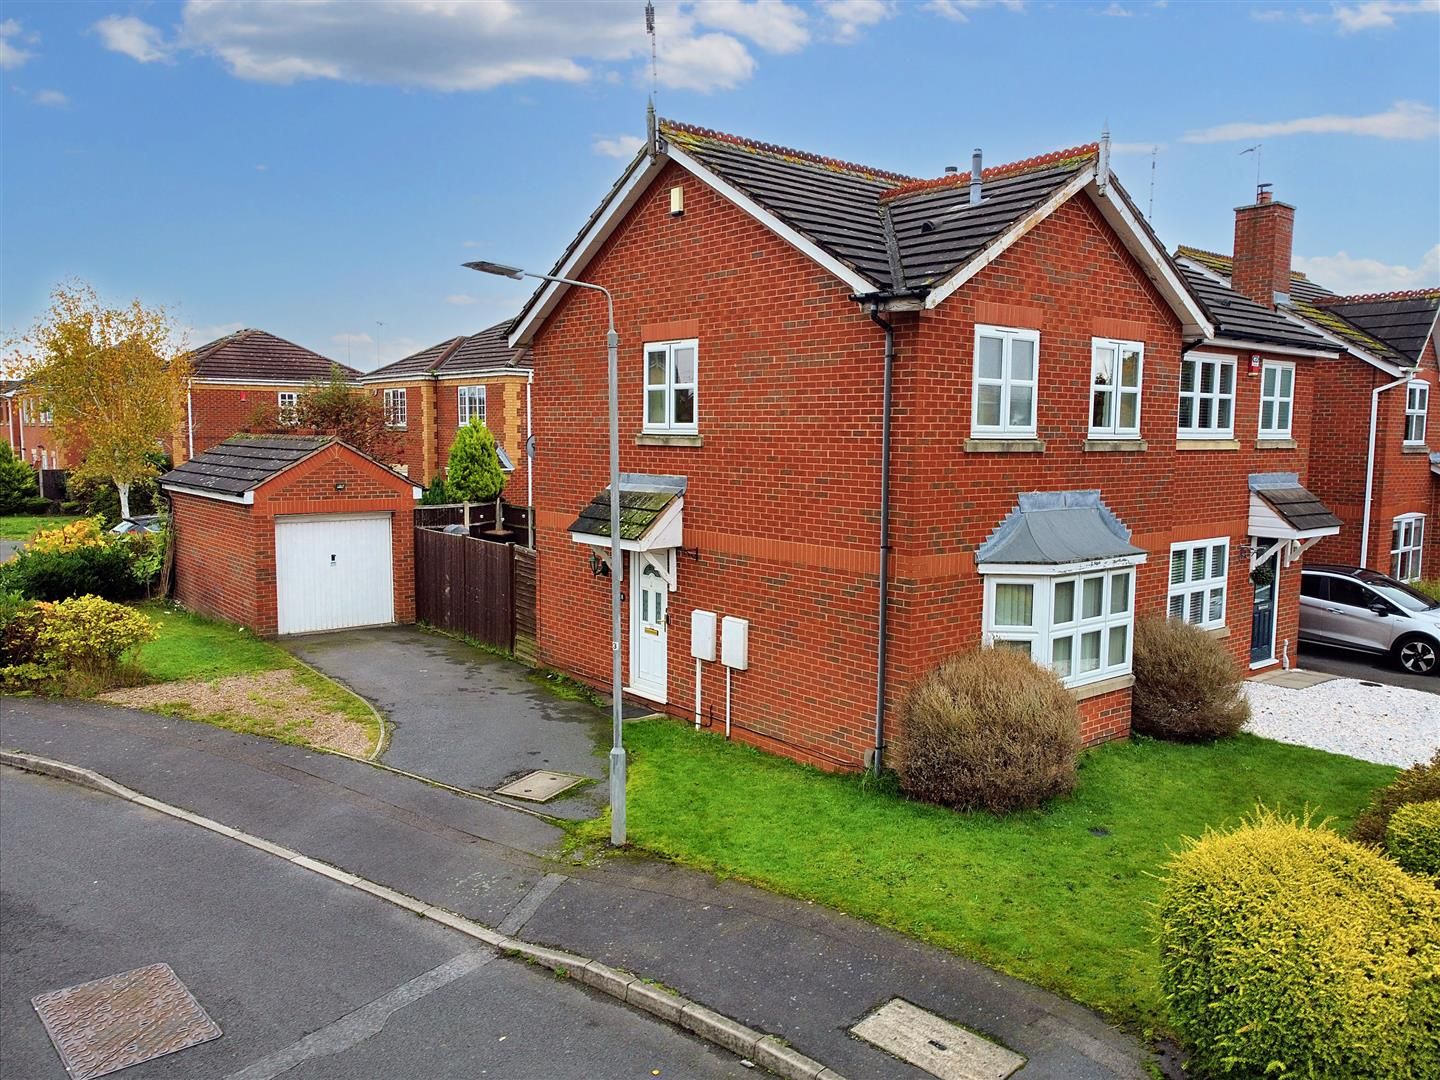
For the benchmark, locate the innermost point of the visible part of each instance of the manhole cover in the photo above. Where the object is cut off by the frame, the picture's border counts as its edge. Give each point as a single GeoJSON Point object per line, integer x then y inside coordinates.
{"type": "Point", "coordinates": [932, 1043]}
{"type": "Point", "coordinates": [539, 786]}
{"type": "Point", "coordinates": [1364, 683]}
{"type": "Point", "coordinates": [110, 1024]}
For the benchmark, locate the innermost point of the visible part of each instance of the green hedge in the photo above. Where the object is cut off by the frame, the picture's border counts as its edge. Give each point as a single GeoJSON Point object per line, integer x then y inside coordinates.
{"type": "Point", "coordinates": [1413, 838]}
{"type": "Point", "coordinates": [1289, 951]}
{"type": "Point", "coordinates": [1419, 783]}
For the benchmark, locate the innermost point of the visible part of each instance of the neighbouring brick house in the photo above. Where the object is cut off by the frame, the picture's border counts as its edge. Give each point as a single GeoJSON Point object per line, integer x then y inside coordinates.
{"type": "Point", "coordinates": [292, 534]}
{"type": "Point", "coordinates": [1383, 356]}
{"type": "Point", "coordinates": [231, 377]}
{"type": "Point", "coordinates": [1073, 437]}
{"type": "Point", "coordinates": [430, 393]}
{"type": "Point", "coordinates": [28, 430]}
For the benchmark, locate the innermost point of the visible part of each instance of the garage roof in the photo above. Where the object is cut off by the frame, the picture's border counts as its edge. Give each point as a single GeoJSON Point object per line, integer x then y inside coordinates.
{"type": "Point", "coordinates": [242, 464]}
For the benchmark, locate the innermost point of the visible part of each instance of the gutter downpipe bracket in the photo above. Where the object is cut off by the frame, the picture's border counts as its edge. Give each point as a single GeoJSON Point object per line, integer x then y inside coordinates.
{"type": "Point", "coordinates": [882, 646]}
{"type": "Point", "coordinates": [1406, 376]}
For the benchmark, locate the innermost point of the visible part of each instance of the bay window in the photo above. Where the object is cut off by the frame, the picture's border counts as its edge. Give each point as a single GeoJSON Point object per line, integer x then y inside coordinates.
{"type": "Point", "coordinates": [1115, 388]}
{"type": "Point", "coordinates": [1006, 379]}
{"type": "Point", "coordinates": [1207, 397]}
{"type": "Point", "coordinates": [1080, 623]}
{"type": "Point", "coordinates": [671, 384]}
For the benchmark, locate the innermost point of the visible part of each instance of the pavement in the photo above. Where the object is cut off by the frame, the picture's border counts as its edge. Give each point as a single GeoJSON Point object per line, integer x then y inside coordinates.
{"type": "Point", "coordinates": [804, 973]}
{"type": "Point", "coordinates": [305, 977]}
{"type": "Point", "coordinates": [9, 548]}
{"type": "Point", "coordinates": [1355, 665]}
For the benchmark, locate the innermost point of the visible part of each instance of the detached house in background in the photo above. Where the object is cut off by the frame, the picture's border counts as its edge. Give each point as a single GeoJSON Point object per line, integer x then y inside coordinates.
{"type": "Point", "coordinates": [1371, 460]}
{"type": "Point", "coordinates": [234, 375]}
{"type": "Point", "coordinates": [430, 394]}
{"type": "Point", "coordinates": [882, 420]}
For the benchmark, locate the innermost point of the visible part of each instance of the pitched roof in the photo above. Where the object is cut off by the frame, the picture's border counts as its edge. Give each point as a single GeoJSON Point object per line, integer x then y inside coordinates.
{"type": "Point", "coordinates": [1402, 320]}
{"type": "Point", "coordinates": [643, 500]}
{"type": "Point", "coordinates": [1300, 508]}
{"type": "Point", "coordinates": [1054, 528]}
{"type": "Point", "coordinates": [241, 464]}
{"type": "Point", "coordinates": [258, 355]}
{"type": "Point", "coordinates": [484, 351]}
{"type": "Point", "coordinates": [1240, 318]}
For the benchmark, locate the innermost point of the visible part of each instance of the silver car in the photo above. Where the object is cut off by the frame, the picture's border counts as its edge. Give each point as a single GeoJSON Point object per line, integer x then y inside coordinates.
{"type": "Point", "coordinates": [1363, 610]}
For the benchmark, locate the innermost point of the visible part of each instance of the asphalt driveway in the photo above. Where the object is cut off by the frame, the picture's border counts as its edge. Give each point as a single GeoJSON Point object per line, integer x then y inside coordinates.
{"type": "Point", "coordinates": [1355, 665]}
{"type": "Point", "coordinates": [464, 717]}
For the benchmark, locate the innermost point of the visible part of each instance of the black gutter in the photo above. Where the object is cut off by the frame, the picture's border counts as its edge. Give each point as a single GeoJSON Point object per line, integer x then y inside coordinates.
{"type": "Point", "coordinates": [882, 647]}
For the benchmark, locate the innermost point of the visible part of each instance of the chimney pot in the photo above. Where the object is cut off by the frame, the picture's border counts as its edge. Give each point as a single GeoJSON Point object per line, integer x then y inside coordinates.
{"type": "Point", "coordinates": [950, 170]}
{"type": "Point", "coordinates": [976, 169]}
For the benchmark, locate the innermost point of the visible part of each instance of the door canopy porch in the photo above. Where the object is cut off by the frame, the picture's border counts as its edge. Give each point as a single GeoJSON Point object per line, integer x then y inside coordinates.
{"type": "Point", "coordinates": [1293, 518]}
{"type": "Point", "coordinates": [651, 520]}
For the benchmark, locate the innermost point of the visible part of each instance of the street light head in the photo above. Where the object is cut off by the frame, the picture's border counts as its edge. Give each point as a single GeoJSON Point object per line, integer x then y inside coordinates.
{"type": "Point", "coordinates": [498, 269]}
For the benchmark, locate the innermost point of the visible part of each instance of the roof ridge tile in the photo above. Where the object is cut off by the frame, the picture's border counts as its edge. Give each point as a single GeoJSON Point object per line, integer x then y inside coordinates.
{"type": "Point", "coordinates": [675, 127]}
{"type": "Point", "coordinates": [1372, 298]}
{"type": "Point", "coordinates": [998, 172]}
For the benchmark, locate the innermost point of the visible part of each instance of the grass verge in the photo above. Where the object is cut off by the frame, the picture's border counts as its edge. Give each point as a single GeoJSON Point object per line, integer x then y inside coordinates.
{"type": "Point", "coordinates": [1059, 896]}
{"type": "Point", "coordinates": [24, 526]}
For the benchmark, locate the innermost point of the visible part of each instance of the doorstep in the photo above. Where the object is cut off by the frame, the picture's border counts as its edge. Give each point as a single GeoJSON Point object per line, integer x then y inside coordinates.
{"type": "Point", "coordinates": [1294, 679]}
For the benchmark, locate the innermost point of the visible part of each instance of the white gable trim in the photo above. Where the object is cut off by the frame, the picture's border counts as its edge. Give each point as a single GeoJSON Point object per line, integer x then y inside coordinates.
{"type": "Point", "coordinates": [1265, 347]}
{"type": "Point", "coordinates": [805, 246]}
{"type": "Point", "coordinates": [623, 196]}
{"type": "Point", "coordinates": [246, 499]}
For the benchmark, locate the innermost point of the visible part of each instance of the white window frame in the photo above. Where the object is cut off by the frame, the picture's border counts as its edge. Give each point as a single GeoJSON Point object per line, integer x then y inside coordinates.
{"type": "Point", "coordinates": [667, 425]}
{"type": "Point", "coordinates": [1006, 382]}
{"type": "Point", "coordinates": [1117, 390]}
{"type": "Point", "coordinates": [1417, 405]}
{"type": "Point", "coordinates": [1044, 631]}
{"type": "Point", "coordinates": [1277, 400]}
{"type": "Point", "coordinates": [396, 407]}
{"type": "Point", "coordinates": [1407, 547]}
{"type": "Point", "coordinates": [287, 409]}
{"type": "Point", "coordinates": [1215, 397]}
{"type": "Point", "coordinates": [470, 403]}
{"type": "Point", "coordinates": [1190, 588]}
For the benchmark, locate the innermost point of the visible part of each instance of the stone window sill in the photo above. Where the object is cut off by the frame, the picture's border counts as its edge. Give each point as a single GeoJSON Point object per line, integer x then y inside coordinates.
{"type": "Point", "coordinates": [1413, 449]}
{"type": "Point", "coordinates": [1219, 631]}
{"type": "Point", "coordinates": [1004, 446]}
{"type": "Point", "coordinates": [1276, 444]}
{"type": "Point", "coordinates": [1116, 446]}
{"type": "Point", "coordinates": [647, 438]}
{"type": "Point", "coordinates": [1104, 686]}
{"type": "Point", "coordinates": [1183, 443]}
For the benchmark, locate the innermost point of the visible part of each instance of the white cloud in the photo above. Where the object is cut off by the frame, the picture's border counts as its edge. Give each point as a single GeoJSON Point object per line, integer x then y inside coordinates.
{"type": "Point", "coordinates": [705, 63]}
{"type": "Point", "coordinates": [1348, 275]}
{"type": "Point", "coordinates": [472, 244]}
{"type": "Point", "coordinates": [55, 99]}
{"type": "Point", "coordinates": [1403, 120]}
{"type": "Point", "coordinates": [961, 10]}
{"type": "Point", "coordinates": [1117, 11]}
{"type": "Point", "coordinates": [351, 339]}
{"type": "Point", "coordinates": [621, 146]}
{"type": "Point", "coordinates": [11, 55]}
{"type": "Point", "coordinates": [1379, 14]}
{"type": "Point", "coordinates": [773, 25]}
{"type": "Point", "coordinates": [848, 18]}
{"type": "Point", "coordinates": [462, 299]}
{"type": "Point", "coordinates": [262, 167]}
{"type": "Point", "coordinates": [133, 37]}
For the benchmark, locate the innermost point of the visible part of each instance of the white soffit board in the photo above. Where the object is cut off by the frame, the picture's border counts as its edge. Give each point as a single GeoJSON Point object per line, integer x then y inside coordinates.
{"type": "Point", "coordinates": [932, 1043]}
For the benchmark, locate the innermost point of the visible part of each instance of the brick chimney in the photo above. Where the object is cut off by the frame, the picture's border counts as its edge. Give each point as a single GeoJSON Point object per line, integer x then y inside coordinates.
{"type": "Point", "coordinates": [1264, 233]}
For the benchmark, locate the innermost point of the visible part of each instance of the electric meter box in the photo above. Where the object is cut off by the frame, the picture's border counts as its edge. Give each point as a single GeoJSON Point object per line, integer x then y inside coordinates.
{"type": "Point", "coordinates": [702, 634]}
{"type": "Point", "coordinates": [735, 643]}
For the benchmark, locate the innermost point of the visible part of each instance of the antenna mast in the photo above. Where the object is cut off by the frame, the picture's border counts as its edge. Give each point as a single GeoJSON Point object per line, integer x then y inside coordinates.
{"type": "Point", "coordinates": [650, 29]}
{"type": "Point", "coordinates": [1154, 153]}
{"type": "Point", "coordinates": [1256, 151]}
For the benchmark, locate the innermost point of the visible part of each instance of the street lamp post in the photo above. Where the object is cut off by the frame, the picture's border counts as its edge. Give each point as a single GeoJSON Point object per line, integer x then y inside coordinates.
{"type": "Point", "coordinates": [612, 343]}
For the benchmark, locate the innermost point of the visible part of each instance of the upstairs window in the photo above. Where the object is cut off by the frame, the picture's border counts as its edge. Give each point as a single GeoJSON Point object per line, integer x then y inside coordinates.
{"type": "Point", "coordinates": [472, 404]}
{"type": "Point", "coordinates": [1115, 388]}
{"type": "Point", "coordinates": [288, 404]}
{"type": "Point", "coordinates": [1006, 370]}
{"type": "Point", "coordinates": [1198, 573]}
{"type": "Point", "coordinates": [1407, 543]}
{"type": "Point", "coordinates": [46, 416]}
{"type": "Point", "coordinates": [1277, 399]}
{"type": "Point", "coordinates": [395, 410]}
{"type": "Point", "coordinates": [671, 386]}
{"type": "Point", "coordinates": [1417, 403]}
{"type": "Point", "coordinates": [1207, 397]}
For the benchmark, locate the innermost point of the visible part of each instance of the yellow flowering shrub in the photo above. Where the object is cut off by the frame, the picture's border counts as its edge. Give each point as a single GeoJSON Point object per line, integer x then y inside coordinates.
{"type": "Point", "coordinates": [89, 635]}
{"type": "Point", "coordinates": [84, 533]}
{"type": "Point", "coordinates": [1412, 838]}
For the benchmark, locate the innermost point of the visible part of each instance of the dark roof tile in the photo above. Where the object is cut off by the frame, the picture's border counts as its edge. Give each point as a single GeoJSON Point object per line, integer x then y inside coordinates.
{"type": "Point", "coordinates": [484, 351]}
{"type": "Point", "coordinates": [1403, 321]}
{"type": "Point", "coordinates": [258, 355]}
{"type": "Point", "coordinates": [243, 463]}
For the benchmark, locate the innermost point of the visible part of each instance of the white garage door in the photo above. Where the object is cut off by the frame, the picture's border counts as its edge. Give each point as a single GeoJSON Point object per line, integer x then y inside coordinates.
{"type": "Point", "coordinates": [332, 572]}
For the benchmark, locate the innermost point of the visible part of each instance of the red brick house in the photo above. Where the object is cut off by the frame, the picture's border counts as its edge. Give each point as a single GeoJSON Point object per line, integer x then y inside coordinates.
{"type": "Point", "coordinates": [291, 534]}
{"type": "Point", "coordinates": [234, 375]}
{"type": "Point", "coordinates": [1384, 359]}
{"type": "Point", "coordinates": [28, 431]}
{"type": "Point", "coordinates": [1072, 437]}
{"type": "Point", "coordinates": [430, 393]}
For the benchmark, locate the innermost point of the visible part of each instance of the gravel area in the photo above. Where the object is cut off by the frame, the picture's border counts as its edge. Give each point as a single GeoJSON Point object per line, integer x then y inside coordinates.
{"type": "Point", "coordinates": [1391, 725]}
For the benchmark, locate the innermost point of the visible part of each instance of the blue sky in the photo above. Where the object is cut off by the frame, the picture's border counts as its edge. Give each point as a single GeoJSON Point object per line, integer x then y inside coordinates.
{"type": "Point", "coordinates": [319, 169]}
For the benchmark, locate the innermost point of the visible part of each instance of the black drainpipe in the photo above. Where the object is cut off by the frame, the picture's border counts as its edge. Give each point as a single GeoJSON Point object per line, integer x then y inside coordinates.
{"type": "Point", "coordinates": [884, 642]}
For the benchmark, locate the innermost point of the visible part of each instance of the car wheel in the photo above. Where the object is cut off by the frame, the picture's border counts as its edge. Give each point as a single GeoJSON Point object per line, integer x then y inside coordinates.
{"type": "Point", "coordinates": [1418, 655]}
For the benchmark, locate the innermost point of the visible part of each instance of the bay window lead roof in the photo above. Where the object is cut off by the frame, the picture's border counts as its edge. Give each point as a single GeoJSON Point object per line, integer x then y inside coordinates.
{"type": "Point", "coordinates": [1052, 528]}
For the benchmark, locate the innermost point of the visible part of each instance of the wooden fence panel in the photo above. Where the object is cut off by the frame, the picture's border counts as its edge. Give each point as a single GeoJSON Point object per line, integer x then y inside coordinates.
{"type": "Point", "coordinates": [464, 585]}
{"type": "Point", "coordinates": [523, 571]}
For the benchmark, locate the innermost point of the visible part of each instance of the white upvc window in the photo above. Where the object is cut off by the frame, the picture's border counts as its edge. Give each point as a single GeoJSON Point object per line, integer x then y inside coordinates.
{"type": "Point", "coordinates": [1080, 624]}
{"type": "Point", "coordinates": [672, 382]}
{"type": "Point", "coordinates": [1417, 403]}
{"type": "Point", "coordinates": [1277, 399]}
{"type": "Point", "coordinates": [1407, 544]}
{"type": "Point", "coordinates": [288, 404]}
{"type": "Point", "coordinates": [46, 416]}
{"type": "Point", "coordinates": [395, 407]}
{"type": "Point", "coordinates": [1198, 574]}
{"type": "Point", "coordinates": [1007, 364]}
{"type": "Point", "coordinates": [472, 404]}
{"type": "Point", "coordinates": [1115, 371]}
{"type": "Point", "coordinates": [1207, 397]}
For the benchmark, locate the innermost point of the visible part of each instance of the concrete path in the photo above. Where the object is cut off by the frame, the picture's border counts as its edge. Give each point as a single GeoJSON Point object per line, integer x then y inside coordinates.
{"type": "Point", "coordinates": [803, 972]}
{"type": "Point", "coordinates": [305, 977]}
{"type": "Point", "coordinates": [464, 717]}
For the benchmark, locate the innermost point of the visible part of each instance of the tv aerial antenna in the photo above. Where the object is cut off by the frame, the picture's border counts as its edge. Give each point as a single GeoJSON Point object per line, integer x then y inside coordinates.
{"type": "Point", "coordinates": [1256, 151]}
{"type": "Point", "coordinates": [650, 29]}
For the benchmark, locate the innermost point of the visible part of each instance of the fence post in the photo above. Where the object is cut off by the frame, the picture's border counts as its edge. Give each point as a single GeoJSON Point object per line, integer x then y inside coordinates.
{"type": "Point", "coordinates": [466, 512]}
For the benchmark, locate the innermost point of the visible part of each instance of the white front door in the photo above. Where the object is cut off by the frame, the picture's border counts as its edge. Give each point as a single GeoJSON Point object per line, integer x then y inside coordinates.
{"type": "Point", "coordinates": [332, 572]}
{"type": "Point", "coordinates": [649, 629]}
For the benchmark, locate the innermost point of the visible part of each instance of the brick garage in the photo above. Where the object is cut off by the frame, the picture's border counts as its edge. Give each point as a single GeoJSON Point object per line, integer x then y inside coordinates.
{"type": "Point", "coordinates": [292, 534]}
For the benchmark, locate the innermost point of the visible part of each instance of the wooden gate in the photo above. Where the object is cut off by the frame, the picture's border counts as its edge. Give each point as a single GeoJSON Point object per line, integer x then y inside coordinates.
{"type": "Point", "coordinates": [464, 585]}
{"type": "Point", "coordinates": [523, 585]}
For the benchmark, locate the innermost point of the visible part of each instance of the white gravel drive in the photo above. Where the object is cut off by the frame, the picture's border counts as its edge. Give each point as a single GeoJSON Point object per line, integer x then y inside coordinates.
{"type": "Point", "coordinates": [1391, 725]}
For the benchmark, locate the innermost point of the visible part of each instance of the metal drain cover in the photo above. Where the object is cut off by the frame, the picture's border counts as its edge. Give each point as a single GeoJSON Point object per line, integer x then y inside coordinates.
{"type": "Point", "coordinates": [110, 1024]}
{"type": "Point", "coordinates": [539, 786]}
{"type": "Point", "coordinates": [932, 1043]}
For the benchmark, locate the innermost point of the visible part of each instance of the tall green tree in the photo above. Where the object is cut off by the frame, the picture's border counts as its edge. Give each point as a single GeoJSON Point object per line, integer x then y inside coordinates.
{"type": "Point", "coordinates": [19, 486]}
{"type": "Point", "coordinates": [472, 472]}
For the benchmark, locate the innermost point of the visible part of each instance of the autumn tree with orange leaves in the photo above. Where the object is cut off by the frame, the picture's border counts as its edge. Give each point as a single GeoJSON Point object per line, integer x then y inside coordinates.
{"type": "Point", "coordinates": [113, 380]}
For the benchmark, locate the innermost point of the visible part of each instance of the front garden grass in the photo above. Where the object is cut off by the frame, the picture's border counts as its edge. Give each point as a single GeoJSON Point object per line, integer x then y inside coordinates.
{"type": "Point", "coordinates": [1060, 896]}
{"type": "Point", "coordinates": [24, 526]}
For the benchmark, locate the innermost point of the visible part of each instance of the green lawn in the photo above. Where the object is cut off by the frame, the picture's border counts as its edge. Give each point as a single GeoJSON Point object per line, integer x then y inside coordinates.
{"type": "Point", "coordinates": [24, 526]}
{"type": "Point", "coordinates": [1061, 896]}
